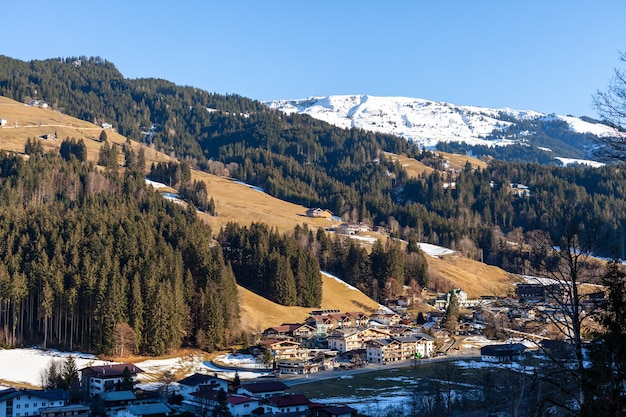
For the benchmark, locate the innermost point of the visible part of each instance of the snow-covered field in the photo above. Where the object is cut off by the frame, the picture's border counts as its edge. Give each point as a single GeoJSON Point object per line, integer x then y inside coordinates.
{"type": "Point", "coordinates": [25, 366]}
{"type": "Point", "coordinates": [434, 250]}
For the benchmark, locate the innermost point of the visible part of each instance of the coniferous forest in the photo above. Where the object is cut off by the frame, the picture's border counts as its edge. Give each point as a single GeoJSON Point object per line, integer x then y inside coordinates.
{"type": "Point", "coordinates": [83, 251]}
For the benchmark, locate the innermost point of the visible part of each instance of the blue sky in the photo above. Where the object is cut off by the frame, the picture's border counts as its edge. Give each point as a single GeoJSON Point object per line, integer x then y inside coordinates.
{"type": "Point", "coordinates": [548, 56]}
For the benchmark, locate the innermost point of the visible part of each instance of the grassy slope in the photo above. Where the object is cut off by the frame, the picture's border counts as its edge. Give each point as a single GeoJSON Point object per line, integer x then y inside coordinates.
{"type": "Point", "coordinates": [415, 168]}
{"type": "Point", "coordinates": [239, 203]}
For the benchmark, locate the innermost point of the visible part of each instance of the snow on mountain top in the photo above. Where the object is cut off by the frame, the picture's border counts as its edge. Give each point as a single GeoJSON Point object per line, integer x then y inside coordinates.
{"type": "Point", "coordinates": [422, 121]}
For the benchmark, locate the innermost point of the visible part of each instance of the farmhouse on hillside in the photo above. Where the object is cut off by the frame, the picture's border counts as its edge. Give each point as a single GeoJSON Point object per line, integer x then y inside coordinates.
{"type": "Point", "coordinates": [318, 212]}
{"type": "Point", "coordinates": [352, 228]}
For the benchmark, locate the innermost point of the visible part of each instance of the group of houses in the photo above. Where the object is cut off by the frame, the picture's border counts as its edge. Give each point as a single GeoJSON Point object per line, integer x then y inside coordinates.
{"type": "Point", "coordinates": [109, 391]}
{"type": "Point", "coordinates": [202, 393]}
{"type": "Point", "coordinates": [315, 344]}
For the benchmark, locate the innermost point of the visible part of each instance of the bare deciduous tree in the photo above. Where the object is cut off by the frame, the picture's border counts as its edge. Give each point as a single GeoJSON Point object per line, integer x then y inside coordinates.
{"type": "Point", "coordinates": [124, 339]}
{"type": "Point", "coordinates": [611, 106]}
{"type": "Point", "coordinates": [565, 259]}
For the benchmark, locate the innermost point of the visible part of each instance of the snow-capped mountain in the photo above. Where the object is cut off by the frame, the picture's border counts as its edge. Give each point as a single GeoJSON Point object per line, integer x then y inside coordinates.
{"type": "Point", "coordinates": [427, 122]}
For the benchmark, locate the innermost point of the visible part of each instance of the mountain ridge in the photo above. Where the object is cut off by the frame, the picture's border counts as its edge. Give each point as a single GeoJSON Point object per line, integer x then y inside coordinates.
{"type": "Point", "coordinates": [429, 123]}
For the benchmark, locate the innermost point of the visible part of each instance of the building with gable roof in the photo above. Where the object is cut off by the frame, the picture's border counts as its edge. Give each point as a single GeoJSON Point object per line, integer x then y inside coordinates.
{"type": "Point", "coordinates": [98, 379]}
{"type": "Point", "coordinates": [400, 348]}
{"type": "Point", "coordinates": [263, 389]}
{"type": "Point", "coordinates": [199, 382]}
{"type": "Point", "coordinates": [320, 410]}
{"type": "Point", "coordinates": [296, 403]}
{"type": "Point", "coordinates": [205, 401]}
{"type": "Point", "coordinates": [344, 340]}
{"type": "Point", "coordinates": [508, 352]}
{"type": "Point", "coordinates": [28, 402]}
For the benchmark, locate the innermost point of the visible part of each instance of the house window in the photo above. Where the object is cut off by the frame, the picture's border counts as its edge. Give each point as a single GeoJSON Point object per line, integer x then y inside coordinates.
{"type": "Point", "coordinates": [26, 405]}
{"type": "Point", "coordinates": [18, 405]}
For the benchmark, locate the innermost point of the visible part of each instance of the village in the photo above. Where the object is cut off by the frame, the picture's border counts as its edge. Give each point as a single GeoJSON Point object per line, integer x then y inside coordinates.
{"type": "Point", "coordinates": [326, 342]}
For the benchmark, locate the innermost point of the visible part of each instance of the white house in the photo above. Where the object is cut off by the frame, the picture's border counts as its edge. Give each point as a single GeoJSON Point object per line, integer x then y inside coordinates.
{"type": "Point", "coordinates": [24, 403]}
{"type": "Point", "coordinates": [238, 405]}
{"type": "Point", "coordinates": [352, 228]}
{"type": "Point", "coordinates": [98, 379]}
{"type": "Point", "coordinates": [400, 348]}
{"type": "Point", "coordinates": [3, 122]}
{"type": "Point", "coordinates": [296, 403]}
{"type": "Point", "coordinates": [199, 382]}
{"type": "Point", "coordinates": [71, 410]}
{"type": "Point", "coordinates": [344, 340]}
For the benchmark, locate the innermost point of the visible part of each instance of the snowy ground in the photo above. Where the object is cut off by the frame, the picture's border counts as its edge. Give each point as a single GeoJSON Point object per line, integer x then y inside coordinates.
{"type": "Point", "coordinates": [434, 250]}
{"type": "Point", "coordinates": [25, 366]}
{"type": "Point", "coordinates": [155, 184]}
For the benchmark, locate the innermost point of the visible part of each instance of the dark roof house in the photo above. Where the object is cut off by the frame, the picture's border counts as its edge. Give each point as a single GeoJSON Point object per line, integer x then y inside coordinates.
{"type": "Point", "coordinates": [263, 389]}
{"type": "Point", "coordinates": [509, 352]}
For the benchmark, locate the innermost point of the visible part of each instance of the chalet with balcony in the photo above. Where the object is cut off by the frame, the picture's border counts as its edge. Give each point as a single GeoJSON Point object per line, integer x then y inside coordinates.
{"type": "Point", "coordinates": [207, 400]}
{"type": "Point", "coordinates": [99, 379]}
{"type": "Point", "coordinates": [319, 213]}
{"type": "Point", "coordinates": [200, 382]}
{"type": "Point", "coordinates": [400, 349]}
{"type": "Point", "coordinates": [344, 340]}
{"type": "Point", "coordinates": [386, 318]}
{"type": "Point", "coordinates": [284, 349]}
{"type": "Point", "coordinates": [298, 332]}
{"type": "Point", "coordinates": [296, 403]}
{"type": "Point", "coordinates": [27, 402]}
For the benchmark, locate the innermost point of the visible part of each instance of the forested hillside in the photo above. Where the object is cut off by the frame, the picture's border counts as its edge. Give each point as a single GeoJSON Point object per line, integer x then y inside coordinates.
{"type": "Point", "coordinates": [476, 211]}
{"type": "Point", "coordinates": [90, 259]}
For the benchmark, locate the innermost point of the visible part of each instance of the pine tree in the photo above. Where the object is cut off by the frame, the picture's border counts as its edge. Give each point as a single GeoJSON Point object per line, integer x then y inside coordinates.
{"type": "Point", "coordinates": [221, 410]}
{"type": "Point", "coordinates": [284, 284]}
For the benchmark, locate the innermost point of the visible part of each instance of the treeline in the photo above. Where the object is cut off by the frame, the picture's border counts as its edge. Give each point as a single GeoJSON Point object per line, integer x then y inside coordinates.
{"type": "Point", "coordinates": [482, 205]}
{"type": "Point", "coordinates": [381, 273]}
{"type": "Point", "coordinates": [178, 175]}
{"type": "Point", "coordinates": [85, 254]}
{"type": "Point", "coordinates": [274, 266]}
